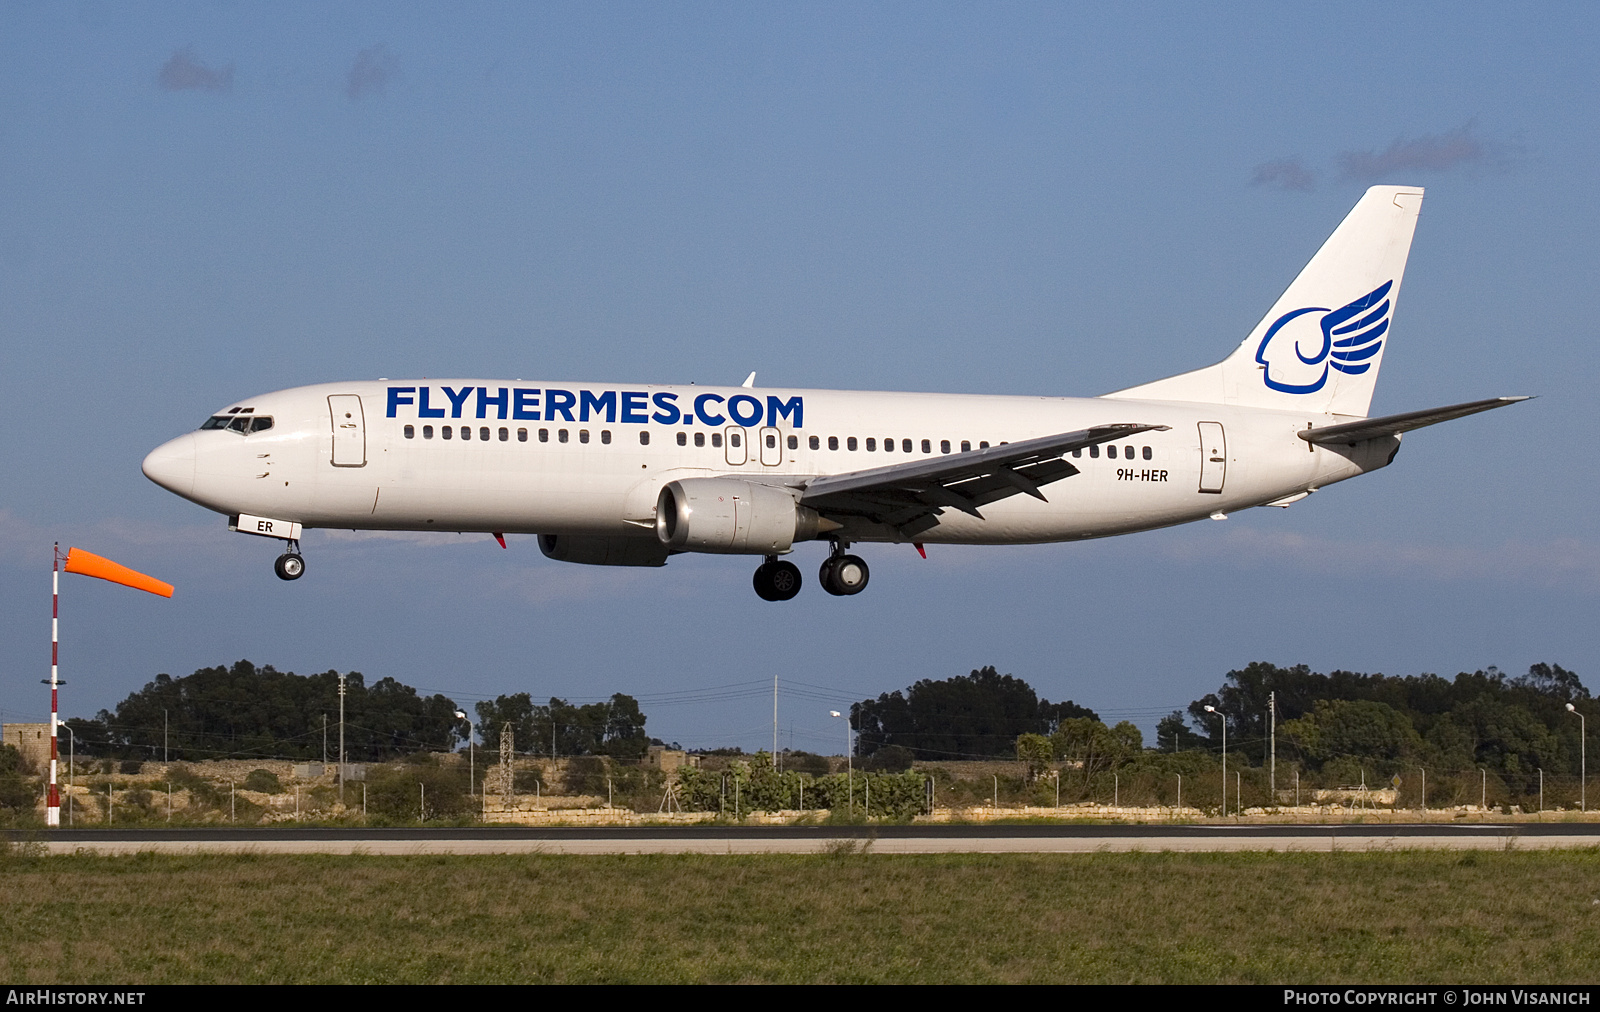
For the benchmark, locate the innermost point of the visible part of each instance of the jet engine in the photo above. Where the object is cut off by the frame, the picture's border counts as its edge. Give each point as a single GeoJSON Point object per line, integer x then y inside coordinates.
{"type": "Point", "coordinates": [733, 517]}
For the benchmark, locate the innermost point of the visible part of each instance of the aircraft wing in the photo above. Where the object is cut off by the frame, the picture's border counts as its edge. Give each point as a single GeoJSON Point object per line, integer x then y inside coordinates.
{"type": "Point", "coordinates": [909, 496]}
{"type": "Point", "coordinates": [1389, 425]}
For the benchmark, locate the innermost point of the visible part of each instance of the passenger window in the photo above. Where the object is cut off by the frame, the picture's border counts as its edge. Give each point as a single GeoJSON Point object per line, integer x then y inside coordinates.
{"type": "Point", "coordinates": [505, 434]}
{"type": "Point", "coordinates": [466, 432]}
{"type": "Point", "coordinates": [699, 439]}
{"type": "Point", "coordinates": [1147, 453]}
{"type": "Point", "coordinates": [716, 439]}
{"type": "Point", "coordinates": [605, 436]}
{"type": "Point", "coordinates": [772, 441]}
{"type": "Point", "coordinates": [260, 424]}
{"type": "Point", "coordinates": [427, 432]}
{"type": "Point", "coordinates": [966, 446]}
{"type": "Point", "coordinates": [734, 440]}
{"type": "Point", "coordinates": [583, 435]}
{"type": "Point", "coordinates": [872, 444]}
{"type": "Point", "coordinates": [850, 444]}
{"type": "Point", "coordinates": [1078, 452]}
{"type": "Point", "coordinates": [927, 447]}
{"type": "Point", "coordinates": [1094, 451]}
{"type": "Point", "coordinates": [644, 437]}
{"type": "Point", "coordinates": [983, 444]}
{"type": "Point", "coordinates": [544, 435]}
{"type": "Point", "coordinates": [813, 442]}
{"type": "Point", "coordinates": [522, 435]}
{"type": "Point", "coordinates": [683, 439]}
{"type": "Point", "coordinates": [888, 446]}
{"type": "Point", "coordinates": [561, 435]}
{"type": "Point", "coordinates": [483, 433]}
{"type": "Point", "coordinates": [411, 432]}
{"type": "Point", "coordinates": [447, 432]}
{"type": "Point", "coordinates": [833, 442]}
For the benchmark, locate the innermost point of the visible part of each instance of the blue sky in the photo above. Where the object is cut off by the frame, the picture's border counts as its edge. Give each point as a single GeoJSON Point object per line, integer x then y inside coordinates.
{"type": "Point", "coordinates": [201, 202]}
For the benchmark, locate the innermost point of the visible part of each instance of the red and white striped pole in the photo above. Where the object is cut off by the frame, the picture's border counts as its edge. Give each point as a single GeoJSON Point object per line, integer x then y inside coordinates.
{"type": "Point", "coordinates": [52, 815]}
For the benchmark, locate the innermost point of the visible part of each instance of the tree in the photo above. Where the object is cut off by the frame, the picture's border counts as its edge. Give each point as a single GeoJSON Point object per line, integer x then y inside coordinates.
{"type": "Point", "coordinates": [244, 710]}
{"type": "Point", "coordinates": [1037, 751]}
{"type": "Point", "coordinates": [614, 728]}
{"type": "Point", "coordinates": [975, 716]}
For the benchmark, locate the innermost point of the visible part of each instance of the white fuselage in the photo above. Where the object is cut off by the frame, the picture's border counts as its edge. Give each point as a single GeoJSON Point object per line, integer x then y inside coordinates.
{"type": "Point", "coordinates": [372, 456]}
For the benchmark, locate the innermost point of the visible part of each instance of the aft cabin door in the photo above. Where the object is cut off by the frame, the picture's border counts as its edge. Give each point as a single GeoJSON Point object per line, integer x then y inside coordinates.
{"type": "Point", "coordinates": [738, 452]}
{"type": "Point", "coordinates": [349, 431]}
{"type": "Point", "coordinates": [1213, 457]}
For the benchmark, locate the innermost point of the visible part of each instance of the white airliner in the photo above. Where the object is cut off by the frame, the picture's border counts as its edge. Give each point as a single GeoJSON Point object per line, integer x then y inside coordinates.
{"type": "Point", "coordinates": [629, 474]}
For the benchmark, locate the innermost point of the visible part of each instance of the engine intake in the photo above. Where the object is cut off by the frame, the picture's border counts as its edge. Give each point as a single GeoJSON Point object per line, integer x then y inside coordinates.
{"type": "Point", "coordinates": [733, 517]}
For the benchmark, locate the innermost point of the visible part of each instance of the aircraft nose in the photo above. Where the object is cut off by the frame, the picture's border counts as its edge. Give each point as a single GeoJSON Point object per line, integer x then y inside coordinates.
{"type": "Point", "coordinates": [171, 465]}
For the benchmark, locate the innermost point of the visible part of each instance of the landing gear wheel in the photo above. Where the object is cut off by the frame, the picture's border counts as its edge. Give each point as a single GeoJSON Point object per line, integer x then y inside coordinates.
{"type": "Point", "coordinates": [289, 566]}
{"type": "Point", "coordinates": [777, 581]}
{"type": "Point", "coordinates": [844, 575]}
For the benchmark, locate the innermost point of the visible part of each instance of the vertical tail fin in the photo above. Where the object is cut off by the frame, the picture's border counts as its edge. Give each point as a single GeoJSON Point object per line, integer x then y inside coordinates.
{"type": "Point", "coordinates": [1320, 346]}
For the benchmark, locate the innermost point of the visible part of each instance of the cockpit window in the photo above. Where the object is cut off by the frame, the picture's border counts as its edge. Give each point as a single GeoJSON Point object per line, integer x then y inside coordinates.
{"type": "Point", "coordinates": [242, 424]}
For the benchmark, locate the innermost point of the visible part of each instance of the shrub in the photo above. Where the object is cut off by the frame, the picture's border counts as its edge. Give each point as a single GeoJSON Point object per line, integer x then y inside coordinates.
{"type": "Point", "coordinates": [130, 767]}
{"type": "Point", "coordinates": [890, 759]}
{"type": "Point", "coordinates": [397, 791]}
{"type": "Point", "coordinates": [263, 781]}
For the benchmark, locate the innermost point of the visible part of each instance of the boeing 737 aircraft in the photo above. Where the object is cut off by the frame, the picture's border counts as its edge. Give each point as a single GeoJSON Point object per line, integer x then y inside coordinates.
{"type": "Point", "coordinates": [618, 474]}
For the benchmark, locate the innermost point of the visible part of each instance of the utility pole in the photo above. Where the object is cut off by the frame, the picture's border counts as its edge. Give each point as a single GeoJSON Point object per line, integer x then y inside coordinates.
{"type": "Point", "coordinates": [774, 721]}
{"type": "Point", "coordinates": [341, 739]}
{"type": "Point", "coordinates": [1272, 712]}
{"type": "Point", "coordinates": [324, 739]}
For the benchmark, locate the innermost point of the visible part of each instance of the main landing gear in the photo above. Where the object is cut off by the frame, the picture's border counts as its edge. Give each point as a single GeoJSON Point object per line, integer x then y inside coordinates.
{"type": "Point", "coordinates": [776, 580]}
{"type": "Point", "coordinates": [291, 565]}
{"type": "Point", "coordinates": [843, 575]}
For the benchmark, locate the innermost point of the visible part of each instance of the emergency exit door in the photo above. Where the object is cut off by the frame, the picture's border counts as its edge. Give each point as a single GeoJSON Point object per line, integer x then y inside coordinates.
{"type": "Point", "coordinates": [1213, 457]}
{"type": "Point", "coordinates": [349, 431]}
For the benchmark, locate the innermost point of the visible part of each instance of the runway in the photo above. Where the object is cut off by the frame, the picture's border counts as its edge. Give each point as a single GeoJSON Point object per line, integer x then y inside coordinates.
{"type": "Point", "coordinates": [940, 839]}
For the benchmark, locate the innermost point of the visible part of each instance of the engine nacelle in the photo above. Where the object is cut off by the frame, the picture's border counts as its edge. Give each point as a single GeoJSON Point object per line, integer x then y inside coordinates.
{"type": "Point", "coordinates": [598, 551]}
{"type": "Point", "coordinates": [732, 516]}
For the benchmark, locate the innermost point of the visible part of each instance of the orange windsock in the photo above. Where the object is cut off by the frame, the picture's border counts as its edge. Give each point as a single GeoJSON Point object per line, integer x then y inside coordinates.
{"type": "Point", "coordinates": [87, 564]}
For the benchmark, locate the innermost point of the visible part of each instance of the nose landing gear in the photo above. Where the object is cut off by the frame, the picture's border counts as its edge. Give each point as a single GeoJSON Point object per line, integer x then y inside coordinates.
{"type": "Point", "coordinates": [291, 565]}
{"type": "Point", "coordinates": [777, 581]}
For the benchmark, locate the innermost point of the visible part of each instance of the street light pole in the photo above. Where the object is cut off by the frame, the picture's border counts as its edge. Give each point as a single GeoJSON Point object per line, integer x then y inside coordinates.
{"type": "Point", "coordinates": [1583, 759]}
{"type": "Point", "coordinates": [849, 762]}
{"type": "Point", "coordinates": [1224, 719]}
{"type": "Point", "coordinates": [472, 760]}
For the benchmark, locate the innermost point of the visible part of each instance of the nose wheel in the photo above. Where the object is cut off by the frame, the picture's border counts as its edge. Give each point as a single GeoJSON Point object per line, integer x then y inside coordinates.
{"type": "Point", "coordinates": [844, 575]}
{"type": "Point", "coordinates": [291, 565]}
{"type": "Point", "coordinates": [777, 581]}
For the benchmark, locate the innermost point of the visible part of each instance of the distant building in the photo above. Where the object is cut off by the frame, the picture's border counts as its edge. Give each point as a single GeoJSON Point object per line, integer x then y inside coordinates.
{"type": "Point", "coordinates": [668, 759]}
{"type": "Point", "coordinates": [32, 740]}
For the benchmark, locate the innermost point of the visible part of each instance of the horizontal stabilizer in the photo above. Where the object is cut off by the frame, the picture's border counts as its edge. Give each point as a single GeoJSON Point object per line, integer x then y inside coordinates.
{"type": "Point", "coordinates": [1389, 425]}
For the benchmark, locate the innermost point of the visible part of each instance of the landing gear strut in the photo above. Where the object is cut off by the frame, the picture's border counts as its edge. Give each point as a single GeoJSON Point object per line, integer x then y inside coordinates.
{"type": "Point", "coordinates": [291, 565]}
{"type": "Point", "coordinates": [776, 581]}
{"type": "Point", "coordinates": [843, 574]}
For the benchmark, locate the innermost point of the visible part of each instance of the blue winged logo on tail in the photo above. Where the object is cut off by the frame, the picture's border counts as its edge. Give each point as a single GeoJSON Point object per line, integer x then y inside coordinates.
{"type": "Point", "coordinates": [1345, 339]}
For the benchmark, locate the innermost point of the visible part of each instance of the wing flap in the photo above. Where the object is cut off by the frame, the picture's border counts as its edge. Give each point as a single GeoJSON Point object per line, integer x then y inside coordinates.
{"type": "Point", "coordinates": [907, 495]}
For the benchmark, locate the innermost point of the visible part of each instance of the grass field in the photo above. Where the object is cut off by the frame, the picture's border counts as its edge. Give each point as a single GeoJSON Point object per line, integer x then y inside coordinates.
{"type": "Point", "coordinates": [1421, 916]}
